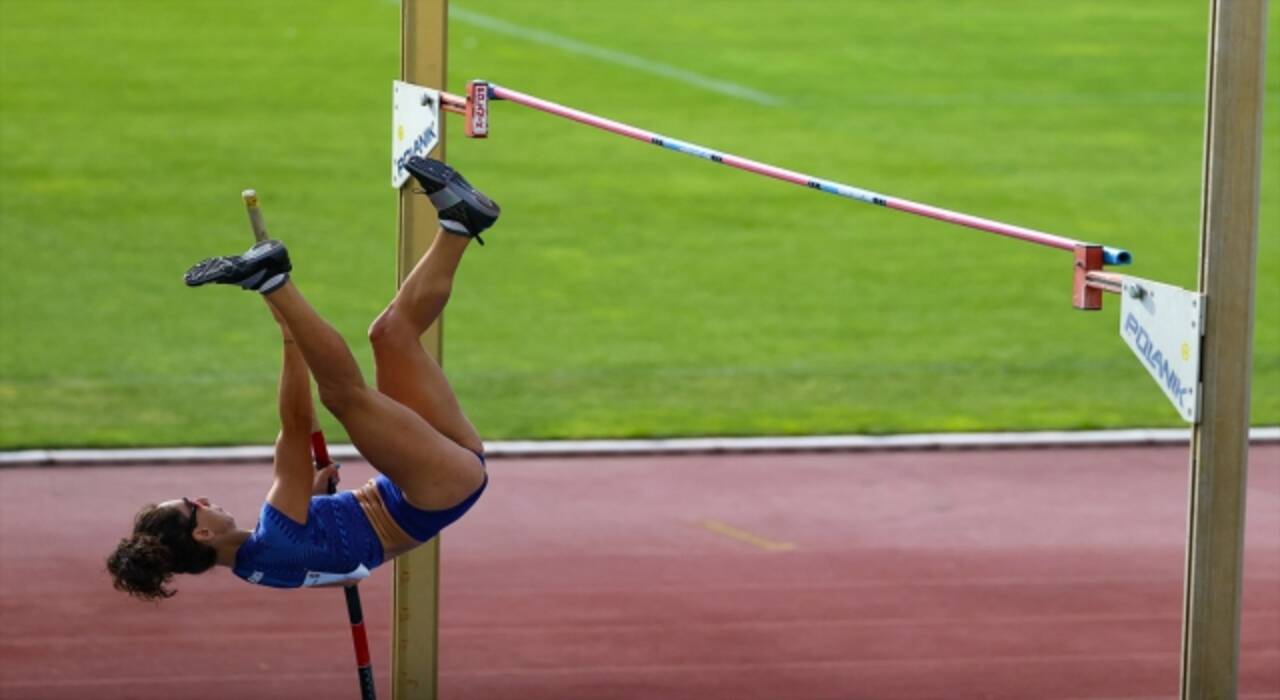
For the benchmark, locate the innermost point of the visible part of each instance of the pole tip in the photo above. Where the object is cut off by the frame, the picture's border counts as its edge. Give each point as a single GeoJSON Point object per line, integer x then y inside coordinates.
{"type": "Point", "coordinates": [250, 198]}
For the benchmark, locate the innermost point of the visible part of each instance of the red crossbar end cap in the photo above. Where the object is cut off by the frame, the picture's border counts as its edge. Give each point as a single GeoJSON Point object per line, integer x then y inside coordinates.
{"type": "Point", "coordinates": [477, 109]}
{"type": "Point", "coordinates": [1088, 258]}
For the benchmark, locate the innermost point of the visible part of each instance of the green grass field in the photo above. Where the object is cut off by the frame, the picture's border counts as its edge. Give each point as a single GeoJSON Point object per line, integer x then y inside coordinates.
{"type": "Point", "coordinates": [628, 291]}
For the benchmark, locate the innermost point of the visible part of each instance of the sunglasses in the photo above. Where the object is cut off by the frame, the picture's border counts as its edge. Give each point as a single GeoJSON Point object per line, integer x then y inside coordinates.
{"type": "Point", "coordinates": [195, 508]}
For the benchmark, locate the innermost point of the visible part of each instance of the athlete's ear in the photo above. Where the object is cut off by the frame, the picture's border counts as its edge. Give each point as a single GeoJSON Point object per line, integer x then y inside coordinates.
{"type": "Point", "coordinates": [202, 535]}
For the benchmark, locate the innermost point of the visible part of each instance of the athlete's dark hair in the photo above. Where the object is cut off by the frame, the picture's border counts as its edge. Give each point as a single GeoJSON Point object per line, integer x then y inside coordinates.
{"type": "Point", "coordinates": [161, 545]}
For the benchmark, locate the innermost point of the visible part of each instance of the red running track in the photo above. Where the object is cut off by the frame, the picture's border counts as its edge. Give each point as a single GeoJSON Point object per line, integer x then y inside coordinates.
{"type": "Point", "coordinates": [1010, 574]}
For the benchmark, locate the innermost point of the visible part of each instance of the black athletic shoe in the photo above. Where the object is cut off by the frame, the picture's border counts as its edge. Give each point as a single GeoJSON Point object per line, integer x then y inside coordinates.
{"type": "Point", "coordinates": [464, 210]}
{"type": "Point", "coordinates": [263, 268]}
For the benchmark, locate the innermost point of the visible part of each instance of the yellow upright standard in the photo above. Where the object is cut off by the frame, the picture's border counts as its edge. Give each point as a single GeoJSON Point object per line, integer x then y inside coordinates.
{"type": "Point", "coordinates": [415, 589]}
{"type": "Point", "coordinates": [1220, 440]}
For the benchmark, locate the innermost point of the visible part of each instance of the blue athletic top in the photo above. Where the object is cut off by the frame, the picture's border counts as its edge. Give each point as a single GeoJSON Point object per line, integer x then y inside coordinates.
{"type": "Point", "coordinates": [336, 546]}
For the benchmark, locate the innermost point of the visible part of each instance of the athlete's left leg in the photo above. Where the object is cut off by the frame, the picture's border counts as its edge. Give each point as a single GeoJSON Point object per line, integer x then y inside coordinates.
{"type": "Point", "coordinates": [434, 472]}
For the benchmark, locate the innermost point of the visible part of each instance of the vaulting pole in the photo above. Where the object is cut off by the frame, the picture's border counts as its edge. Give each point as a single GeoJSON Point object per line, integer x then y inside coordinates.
{"type": "Point", "coordinates": [415, 588]}
{"type": "Point", "coordinates": [1220, 439]}
{"type": "Point", "coordinates": [355, 613]}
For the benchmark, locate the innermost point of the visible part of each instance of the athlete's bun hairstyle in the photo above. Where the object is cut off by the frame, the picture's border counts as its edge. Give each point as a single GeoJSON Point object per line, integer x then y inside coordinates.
{"type": "Point", "coordinates": [160, 546]}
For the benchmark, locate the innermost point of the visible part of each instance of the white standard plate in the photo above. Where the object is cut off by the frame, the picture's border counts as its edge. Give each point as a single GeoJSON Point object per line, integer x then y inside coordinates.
{"type": "Point", "coordinates": [415, 115]}
{"type": "Point", "coordinates": [1162, 324]}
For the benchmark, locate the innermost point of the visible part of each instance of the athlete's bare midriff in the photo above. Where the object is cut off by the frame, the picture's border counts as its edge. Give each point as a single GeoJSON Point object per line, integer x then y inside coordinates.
{"type": "Point", "coordinates": [395, 541]}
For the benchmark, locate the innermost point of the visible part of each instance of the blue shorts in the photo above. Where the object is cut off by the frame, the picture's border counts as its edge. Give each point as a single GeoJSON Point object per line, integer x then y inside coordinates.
{"type": "Point", "coordinates": [421, 524]}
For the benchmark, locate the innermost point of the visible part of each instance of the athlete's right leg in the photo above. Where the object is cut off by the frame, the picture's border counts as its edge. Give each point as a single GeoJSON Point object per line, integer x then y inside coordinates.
{"type": "Point", "coordinates": [405, 371]}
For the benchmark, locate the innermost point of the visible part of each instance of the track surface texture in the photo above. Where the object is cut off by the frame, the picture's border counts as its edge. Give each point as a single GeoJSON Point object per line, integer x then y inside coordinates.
{"type": "Point", "coordinates": [966, 574]}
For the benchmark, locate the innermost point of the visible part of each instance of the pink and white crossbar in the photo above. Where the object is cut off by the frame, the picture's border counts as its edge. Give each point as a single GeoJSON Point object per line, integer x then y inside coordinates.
{"type": "Point", "coordinates": [1089, 281]}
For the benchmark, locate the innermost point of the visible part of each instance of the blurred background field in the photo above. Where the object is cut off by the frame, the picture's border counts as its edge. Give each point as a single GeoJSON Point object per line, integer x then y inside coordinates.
{"type": "Point", "coordinates": [627, 291]}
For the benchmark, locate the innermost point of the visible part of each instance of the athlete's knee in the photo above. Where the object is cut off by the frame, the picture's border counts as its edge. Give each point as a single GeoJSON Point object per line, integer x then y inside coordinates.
{"type": "Point", "coordinates": [341, 397]}
{"type": "Point", "coordinates": [392, 328]}
{"type": "Point", "coordinates": [407, 317]}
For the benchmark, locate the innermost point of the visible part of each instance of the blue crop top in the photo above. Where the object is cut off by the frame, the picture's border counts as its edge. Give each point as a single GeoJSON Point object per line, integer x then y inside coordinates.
{"type": "Point", "coordinates": [336, 546]}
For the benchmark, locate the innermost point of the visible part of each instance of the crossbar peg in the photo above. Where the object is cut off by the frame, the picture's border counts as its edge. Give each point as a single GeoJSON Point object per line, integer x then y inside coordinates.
{"type": "Point", "coordinates": [477, 114]}
{"type": "Point", "coordinates": [1089, 258]}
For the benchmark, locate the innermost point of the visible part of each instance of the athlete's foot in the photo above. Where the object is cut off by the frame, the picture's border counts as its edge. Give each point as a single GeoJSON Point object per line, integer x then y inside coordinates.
{"type": "Point", "coordinates": [463, 209]}
{"type": "Point", "coordinates": [263, 268]}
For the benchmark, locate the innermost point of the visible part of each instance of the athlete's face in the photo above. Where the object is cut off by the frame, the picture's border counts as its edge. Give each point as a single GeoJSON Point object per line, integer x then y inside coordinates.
{"type": "Point", "coordinates": [208, 519]}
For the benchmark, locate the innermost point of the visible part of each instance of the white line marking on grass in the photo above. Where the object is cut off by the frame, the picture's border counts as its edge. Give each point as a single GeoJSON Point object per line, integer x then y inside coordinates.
{"type": "Point", "coordinates": [644, 65]}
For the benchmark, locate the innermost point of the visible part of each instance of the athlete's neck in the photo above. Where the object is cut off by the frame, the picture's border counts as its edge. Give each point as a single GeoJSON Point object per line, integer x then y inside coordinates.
{"type": "Point", "coordinates": [227, 546]}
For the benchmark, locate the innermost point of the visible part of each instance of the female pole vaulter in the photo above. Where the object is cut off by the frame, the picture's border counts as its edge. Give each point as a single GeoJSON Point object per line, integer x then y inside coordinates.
{"type": "Point", "coordinates": [410, 428]}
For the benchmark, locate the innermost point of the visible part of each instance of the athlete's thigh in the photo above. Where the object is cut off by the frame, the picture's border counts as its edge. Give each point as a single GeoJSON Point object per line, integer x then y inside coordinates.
{"type": "Point", "coordinates": [433, 471]}
{"type": "Point", "coordinates": [406, 373]}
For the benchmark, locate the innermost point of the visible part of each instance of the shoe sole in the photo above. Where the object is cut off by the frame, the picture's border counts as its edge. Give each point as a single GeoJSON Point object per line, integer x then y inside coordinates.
{"type": "Point", "coordinates": [205, 272]}
{"type": "Point", "coordinates": [447, 178]}
{"type": "Point", "coordinates": [221, 271]}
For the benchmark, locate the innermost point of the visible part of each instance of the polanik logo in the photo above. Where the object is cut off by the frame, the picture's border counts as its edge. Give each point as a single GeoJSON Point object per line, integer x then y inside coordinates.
{"type": "Point", "coordinates": [1156, 358]}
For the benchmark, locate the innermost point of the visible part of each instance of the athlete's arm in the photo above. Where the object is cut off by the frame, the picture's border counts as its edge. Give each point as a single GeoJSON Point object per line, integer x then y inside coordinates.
{"type": "Point", "coordinates": [294, 474]}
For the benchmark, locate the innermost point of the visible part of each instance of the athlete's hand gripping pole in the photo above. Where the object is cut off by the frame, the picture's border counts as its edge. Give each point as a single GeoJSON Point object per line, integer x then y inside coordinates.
{"type": "Point", "coordinates": [320, 452]}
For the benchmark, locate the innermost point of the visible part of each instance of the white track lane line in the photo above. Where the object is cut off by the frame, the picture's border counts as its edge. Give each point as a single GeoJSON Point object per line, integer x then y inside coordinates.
{"type": "Point", "coordinates": [644, 65]}
{"type": "Point", "coordinates": [694, 446]}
